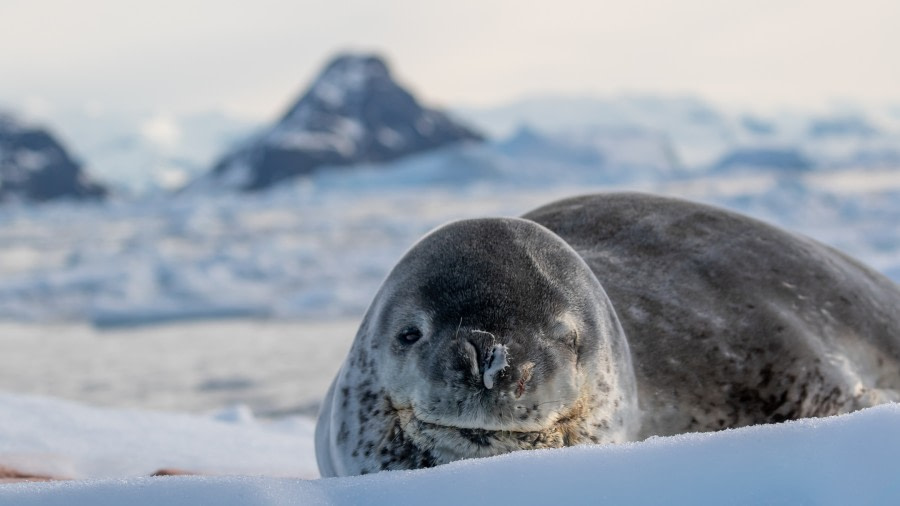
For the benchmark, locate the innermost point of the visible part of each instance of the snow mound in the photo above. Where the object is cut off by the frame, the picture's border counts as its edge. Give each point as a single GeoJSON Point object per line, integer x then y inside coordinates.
{"type": "Point", "coordinates": [50, 437]}
{"type": "Point", "coordinates": [848, 459]}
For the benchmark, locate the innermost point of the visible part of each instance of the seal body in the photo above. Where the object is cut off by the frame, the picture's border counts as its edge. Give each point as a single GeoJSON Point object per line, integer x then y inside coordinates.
{"type": "Point", "coordinates": [604, 318]}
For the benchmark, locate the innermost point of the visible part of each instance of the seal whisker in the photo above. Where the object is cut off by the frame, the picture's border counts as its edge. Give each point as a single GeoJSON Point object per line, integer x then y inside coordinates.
{"type": "Point", "coordinates": [493, 337]}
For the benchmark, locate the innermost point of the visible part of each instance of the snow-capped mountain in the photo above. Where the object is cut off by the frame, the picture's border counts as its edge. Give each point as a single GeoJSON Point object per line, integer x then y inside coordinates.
{"type": "Point", "coordinates": [35, 167]}
{"type": "Point", "coordinates": [353, 113]}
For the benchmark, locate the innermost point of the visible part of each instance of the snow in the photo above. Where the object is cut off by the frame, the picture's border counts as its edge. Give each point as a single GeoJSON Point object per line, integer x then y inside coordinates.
{"type": "Point", "coordinates": [289, 139]}
{"type": "Point", "coordinates": [346, 75]}
{"type": "Point", "coordinates": [390, 138]}
{"type": "Point", "coordinates": [871, 181]}
{"type": "Point", "coordinates": [30, 160]}
{"type": "Point", "coordinates": [848, 459]}
{"type": "Point", "coordinates": [52, 437]}
{"type": "Point", "coordinates": [274, 368]}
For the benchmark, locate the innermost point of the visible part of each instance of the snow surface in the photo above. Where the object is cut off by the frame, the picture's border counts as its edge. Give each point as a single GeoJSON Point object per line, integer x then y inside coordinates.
{"type": "Point", "coordinates": [66, 440]}
{"type": "Point", "coordinates": [848, 459]}
{"type": "Point", "coordinates": [274, 368]}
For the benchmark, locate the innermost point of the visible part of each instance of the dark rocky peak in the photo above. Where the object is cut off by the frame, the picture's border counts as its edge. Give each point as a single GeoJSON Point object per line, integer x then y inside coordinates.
{"type": "Point", "coordinates": [344, 87]}
{"type": "Point", "coordinates": [35, 167]}
{"type": "Point", "coordinates": [354, 112]}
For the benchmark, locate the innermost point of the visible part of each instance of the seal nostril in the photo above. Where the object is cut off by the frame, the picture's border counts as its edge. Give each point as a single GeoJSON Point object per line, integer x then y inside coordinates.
{"type": "Point", "coordinates": [497, 361]}
{"type": "Point", "coordinates": [472, 356]}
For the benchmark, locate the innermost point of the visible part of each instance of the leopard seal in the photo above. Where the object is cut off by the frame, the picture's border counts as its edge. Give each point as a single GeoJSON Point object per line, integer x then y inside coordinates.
{"type": "Point", "coordinates": [602, 319]}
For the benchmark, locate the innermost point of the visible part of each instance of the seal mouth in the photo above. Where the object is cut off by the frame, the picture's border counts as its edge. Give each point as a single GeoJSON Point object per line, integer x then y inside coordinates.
{"type": "Point", "coordinates": [447, 443]}
{"type": "Point", "coordinates": [498, 423]}
{"type": "Point", "coordinates": [482, 438]}
{"type": "Point", "coordinates": [475, 430]}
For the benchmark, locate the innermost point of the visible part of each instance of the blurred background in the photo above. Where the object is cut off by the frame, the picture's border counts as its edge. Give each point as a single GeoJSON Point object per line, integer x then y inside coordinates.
{"type": "Point", "coordinates": [199, 199]}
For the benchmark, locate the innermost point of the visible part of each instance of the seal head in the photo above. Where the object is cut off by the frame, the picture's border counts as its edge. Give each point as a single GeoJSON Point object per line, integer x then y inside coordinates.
{"type": "Point", "coordinates": [489, 336]}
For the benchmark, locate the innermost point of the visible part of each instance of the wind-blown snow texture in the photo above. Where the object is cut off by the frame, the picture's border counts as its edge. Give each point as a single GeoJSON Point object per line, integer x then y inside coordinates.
{"type": "Point", "coordinates": [848, 459]}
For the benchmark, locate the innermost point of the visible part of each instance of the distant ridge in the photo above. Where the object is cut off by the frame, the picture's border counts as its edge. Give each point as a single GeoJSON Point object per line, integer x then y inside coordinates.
{"type": "Point", "coordinates": [35, 167]}
{"type": "Point", "coordinates": [354, 112]}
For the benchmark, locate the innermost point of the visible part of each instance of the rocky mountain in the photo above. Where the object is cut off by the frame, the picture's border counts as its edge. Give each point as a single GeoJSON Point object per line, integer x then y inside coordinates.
{"type": "Point", "coordinates": [35, 167]}
{"type": "Point", "coordinates": [353, 113]}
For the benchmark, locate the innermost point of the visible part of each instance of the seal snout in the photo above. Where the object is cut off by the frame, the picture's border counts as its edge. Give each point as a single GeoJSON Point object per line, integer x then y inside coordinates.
{"type": "Point", "coordinates": [488, 360]}
{"type": "Point", "coordinates": [495, 360]}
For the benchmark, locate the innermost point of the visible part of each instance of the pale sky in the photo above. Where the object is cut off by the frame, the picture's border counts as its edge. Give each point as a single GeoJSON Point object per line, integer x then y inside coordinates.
{"type": "Point", "coordinates": [251, 58]}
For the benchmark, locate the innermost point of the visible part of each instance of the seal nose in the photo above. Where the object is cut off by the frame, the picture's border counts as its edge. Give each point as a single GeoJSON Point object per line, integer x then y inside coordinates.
{"type": "Point", "coordinates": [486, 358]}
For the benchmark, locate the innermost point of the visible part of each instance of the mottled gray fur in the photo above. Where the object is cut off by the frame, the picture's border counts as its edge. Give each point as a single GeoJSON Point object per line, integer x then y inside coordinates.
{"type": "Point", "coordinates": [636, 316]}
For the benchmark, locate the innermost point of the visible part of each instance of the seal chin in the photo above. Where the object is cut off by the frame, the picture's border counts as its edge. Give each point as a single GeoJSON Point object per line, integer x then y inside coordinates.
{"type": "Point", "coordinates": [449, 440]}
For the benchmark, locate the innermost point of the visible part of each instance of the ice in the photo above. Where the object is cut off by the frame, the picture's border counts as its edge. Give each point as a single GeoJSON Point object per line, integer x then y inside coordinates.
{"type": "Point", "coordinates": [165, 311]}
{"type": "Point", "coordinates": [320, 247]}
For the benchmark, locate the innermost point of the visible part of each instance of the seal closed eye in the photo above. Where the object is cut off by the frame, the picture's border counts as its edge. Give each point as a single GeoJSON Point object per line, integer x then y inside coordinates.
{"type": "Point", "coordinates": [604, 318]}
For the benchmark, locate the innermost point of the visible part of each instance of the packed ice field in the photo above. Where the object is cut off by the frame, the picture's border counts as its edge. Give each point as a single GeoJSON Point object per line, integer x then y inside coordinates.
{"type": "Point", "coordinates": [318, 251]}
